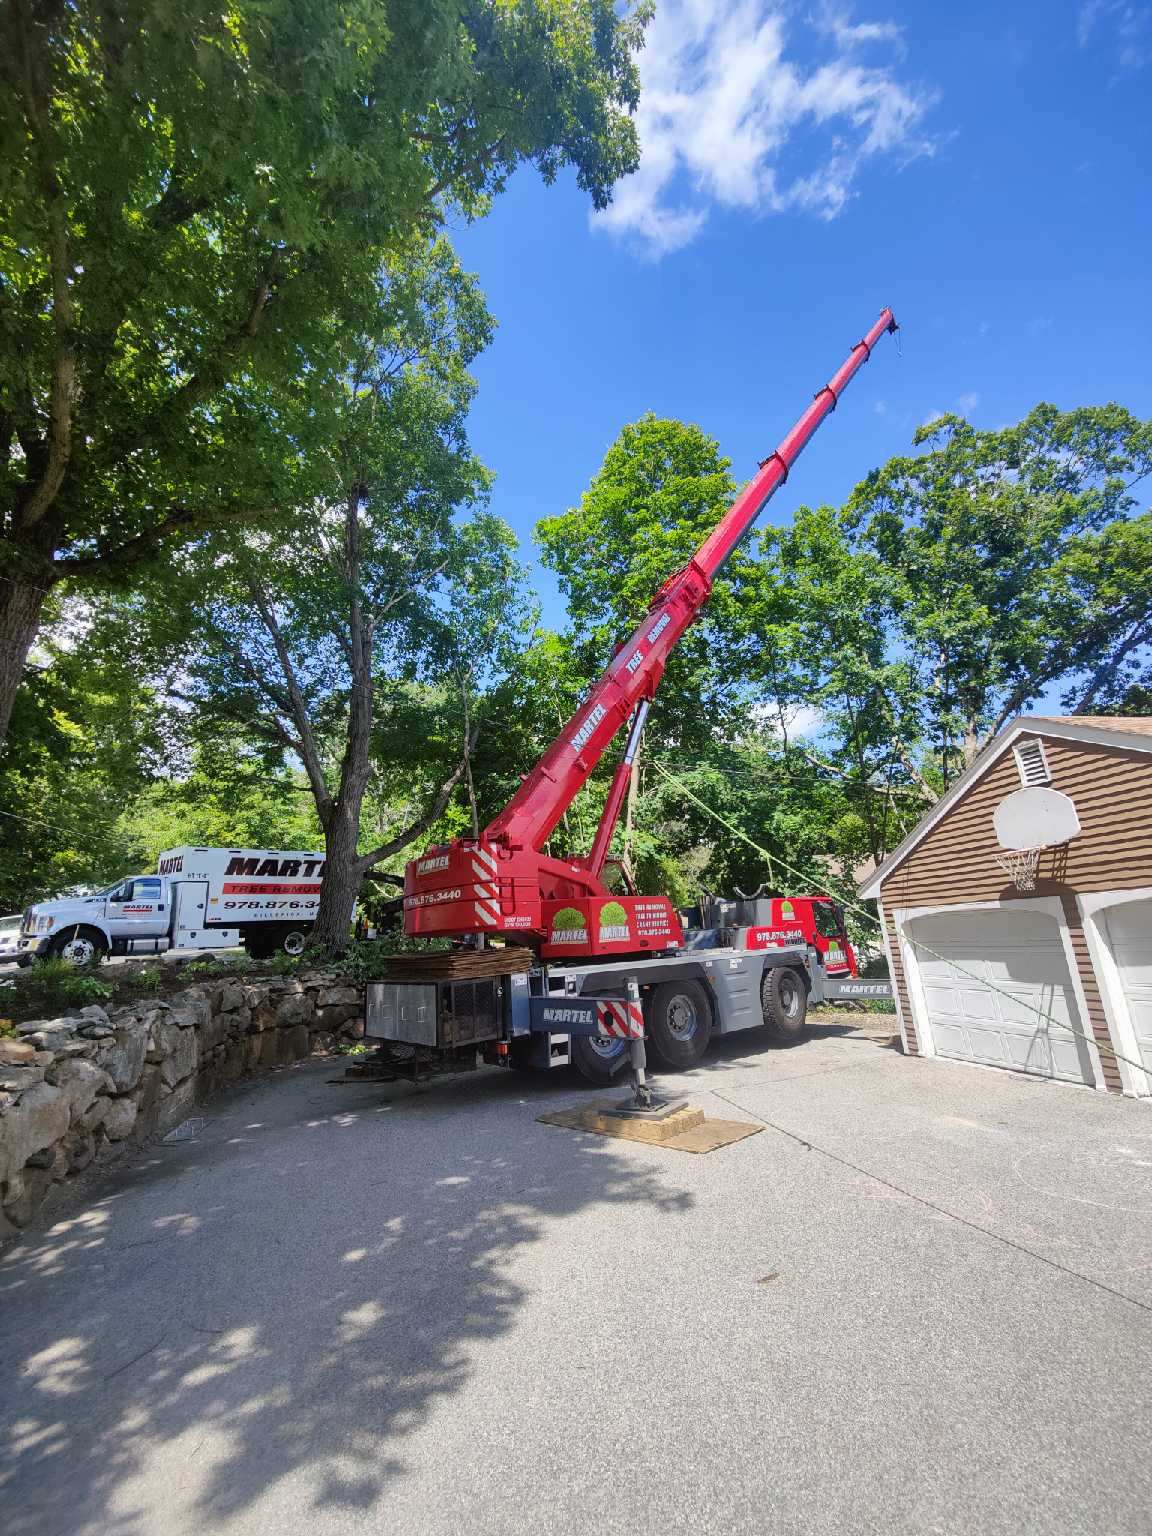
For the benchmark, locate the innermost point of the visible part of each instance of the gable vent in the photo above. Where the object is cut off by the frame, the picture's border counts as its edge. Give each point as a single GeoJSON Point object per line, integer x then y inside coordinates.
{"type": "Point", "coordinates": [1032, 763]}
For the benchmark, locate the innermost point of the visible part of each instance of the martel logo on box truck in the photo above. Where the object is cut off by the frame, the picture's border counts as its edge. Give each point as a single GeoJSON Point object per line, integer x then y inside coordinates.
{"type": "Point", "coordinates": [278, 869]}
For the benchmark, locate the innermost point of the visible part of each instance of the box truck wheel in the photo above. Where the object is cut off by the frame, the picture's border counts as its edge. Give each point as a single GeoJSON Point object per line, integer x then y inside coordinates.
{"type": "Point", "coordinates": [784, 998]}
{"type": "Point", "coordinates": [83, 946]}
{"type": "Point", "coordinates": [678, 1023]}
{"type": "Point", "coordinates": [275, 939]}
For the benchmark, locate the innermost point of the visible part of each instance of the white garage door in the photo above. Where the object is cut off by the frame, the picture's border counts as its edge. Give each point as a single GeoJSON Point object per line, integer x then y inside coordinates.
{"type": "Point", "coordinates": [1021, 954]}
{"type": "Point", "coordinates": [1130, 935]}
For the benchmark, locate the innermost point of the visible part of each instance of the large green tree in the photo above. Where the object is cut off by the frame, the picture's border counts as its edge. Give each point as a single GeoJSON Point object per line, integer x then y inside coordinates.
{"type": "Point", "coordinates": [302, 641]}
{"type": "Point", "coordinates": [956, 586]}
{"type": "Point", "coordinates": [661, 488]}
{"type": "Point", "coordinates": [194, 207]}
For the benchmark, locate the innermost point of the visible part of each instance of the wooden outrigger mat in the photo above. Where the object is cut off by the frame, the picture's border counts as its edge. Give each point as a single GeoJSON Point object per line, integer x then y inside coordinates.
{"type": "Point", "coordinates": [687, 1130]}
{"type": "Point", "coordinates": [457, 964]}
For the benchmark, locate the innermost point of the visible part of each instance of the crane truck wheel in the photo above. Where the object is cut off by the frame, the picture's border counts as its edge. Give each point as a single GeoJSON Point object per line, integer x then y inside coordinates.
{"type": "Point", "coordinates": [82, 946]}
{"type": "Point", "coordinates": [678, 1023]}
{"type": "Point", "coordinates": [599, 1058]}
{"type": "Point", "coordinates": [784, 998]}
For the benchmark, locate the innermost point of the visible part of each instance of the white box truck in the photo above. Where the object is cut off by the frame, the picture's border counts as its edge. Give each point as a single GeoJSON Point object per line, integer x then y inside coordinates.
{"type": "Point", "coordinates": [199, 898]}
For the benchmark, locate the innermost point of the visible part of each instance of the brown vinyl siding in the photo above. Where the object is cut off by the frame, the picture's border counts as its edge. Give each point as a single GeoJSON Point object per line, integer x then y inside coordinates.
{"type": "Point", "coordinates": [899, 987]}
{"type": "Point", "coordinates": [1112, 789]}
{"type": "Point", "coordinates": [955, 862]}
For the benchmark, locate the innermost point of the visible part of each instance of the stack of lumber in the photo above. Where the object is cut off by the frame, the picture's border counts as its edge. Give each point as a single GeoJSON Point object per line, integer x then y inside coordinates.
{"type": "Point", "coordinates": [457, 964]}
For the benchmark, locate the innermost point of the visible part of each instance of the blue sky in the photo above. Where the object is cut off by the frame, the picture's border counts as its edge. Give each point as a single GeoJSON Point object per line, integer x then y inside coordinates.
{"type": "Point", "coordinates": [986, 170]}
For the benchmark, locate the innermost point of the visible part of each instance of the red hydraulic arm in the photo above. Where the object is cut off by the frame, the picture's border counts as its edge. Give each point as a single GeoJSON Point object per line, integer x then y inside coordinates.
{"type": "Point", "coordinates": [635, 672]}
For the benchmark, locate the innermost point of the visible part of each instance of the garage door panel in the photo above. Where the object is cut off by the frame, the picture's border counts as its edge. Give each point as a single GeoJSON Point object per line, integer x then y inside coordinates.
{"type": "Point", "coordinates": [1018, 1005]}
{"type": "Point", "coordinates": [1130, 936]}
{"type": "Point", "coordinates": [1069, 1059]}
{"type": "Point", "coordinates": [1011, 998]}
{"type": "Point", "coordinates": [986, 1045]}
{"type": "Point", "coordinates": [951, 1039]}
{"type": "Point", "coordinates": [1033, 966]}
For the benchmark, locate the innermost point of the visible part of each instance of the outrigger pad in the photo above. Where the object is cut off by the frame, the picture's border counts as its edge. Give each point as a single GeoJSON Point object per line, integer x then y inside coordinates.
{"type": "Point", "coordinates": [659, 1109]}
{"type": "Point", "coordinates": [684, 1130]}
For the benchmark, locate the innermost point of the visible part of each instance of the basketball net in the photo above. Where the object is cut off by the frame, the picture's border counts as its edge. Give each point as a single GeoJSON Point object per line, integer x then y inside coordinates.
{"type": "Point", "coordinates": [1020, 864]}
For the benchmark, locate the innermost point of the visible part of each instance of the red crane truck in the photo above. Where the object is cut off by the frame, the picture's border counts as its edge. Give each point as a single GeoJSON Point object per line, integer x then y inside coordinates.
{"type": "Point", "coordinates": [612, 969]}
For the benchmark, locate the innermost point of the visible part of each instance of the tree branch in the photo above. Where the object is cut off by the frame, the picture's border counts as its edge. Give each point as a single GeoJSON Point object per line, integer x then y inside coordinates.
{"type": "Point", "coordinates": [179, 522]}
{"type": "Point", "coordinates": [63, 387]}
{"type": "Point", "coordinates": [1138, 635]}
{"type": "Point", "coordinates": [433, 813]}
{"type": "Point", "coordinates": [309, 752]}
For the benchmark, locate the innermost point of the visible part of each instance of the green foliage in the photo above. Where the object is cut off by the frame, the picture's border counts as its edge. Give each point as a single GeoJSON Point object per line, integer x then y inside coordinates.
{"type": "Point", "coordinates": [86, 737]}
{"type": "Point", "coordinates": [53, 986]}
{"type": "Point", "coordinates": [363, 960]}
{"type": "Point", "coordinates": [217, 965]}
{"type": "Point", "coordinates": [955, 586]}
{"type": "Point", "coordinates": [661, 489]}
{"type": "Point", "coordinates": [197, 205]}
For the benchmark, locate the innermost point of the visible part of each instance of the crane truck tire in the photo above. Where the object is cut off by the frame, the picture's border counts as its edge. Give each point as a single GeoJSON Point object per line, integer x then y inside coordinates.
{"type": "Point", "coordinates": [599, 1058]}
{"type": "Point", "coordinates": [784, 998]}
{"type": "Point", "coordinates": [678, 1023]}
{"type": "Point", "coordinates": [81, 945]}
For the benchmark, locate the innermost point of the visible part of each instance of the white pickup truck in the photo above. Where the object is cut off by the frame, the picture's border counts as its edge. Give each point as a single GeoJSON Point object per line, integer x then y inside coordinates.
{"type": "Point", "coordinates": [199, 898]}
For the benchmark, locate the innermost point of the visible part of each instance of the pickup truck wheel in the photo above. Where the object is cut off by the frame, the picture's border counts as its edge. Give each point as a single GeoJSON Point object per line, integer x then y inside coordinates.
{"type": "Point", "coordinates": [678, 1023]}
{"type": "Point", "coordinates": [259, 946]}
{"type": "Point", "coordinates": [293, 941]}
{"type": "Point", "coordinates": [599, 1057]}
{"type": "Point", "coordinates": [82, 946]}
{"type": "Point", "coordinates": [784, 998]}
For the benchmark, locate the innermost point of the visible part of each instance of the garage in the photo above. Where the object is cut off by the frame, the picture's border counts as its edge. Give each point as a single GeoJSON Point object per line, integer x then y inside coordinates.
{"type": "Point", "coordinates": [989, 980]}
{"type": "Point", "coordinates": [1017, 913]}
{"type": "Point", "coordinates": [1129, 932]}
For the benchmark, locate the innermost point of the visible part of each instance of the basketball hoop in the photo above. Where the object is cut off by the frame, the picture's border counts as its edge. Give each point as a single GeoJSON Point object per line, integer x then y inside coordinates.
{"type": "Point", "coordinates": [1020, 864]}
{"type": "Point", "coordinates": [1028, 821]}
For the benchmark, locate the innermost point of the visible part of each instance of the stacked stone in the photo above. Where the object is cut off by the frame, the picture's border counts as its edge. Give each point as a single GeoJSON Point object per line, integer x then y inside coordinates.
{"type": "Point", "coordinates": [85, 1088]}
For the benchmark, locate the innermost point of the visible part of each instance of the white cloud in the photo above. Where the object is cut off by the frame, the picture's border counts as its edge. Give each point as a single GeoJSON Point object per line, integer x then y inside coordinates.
{"type": "Point", "coordinates": [729, 118]}
{"type": "Point", "coordinates": [880, 407]}
{"type": "Point", "coordinates": [967, 403]}
{"type": "Point", "coordinates": [1129, 22]}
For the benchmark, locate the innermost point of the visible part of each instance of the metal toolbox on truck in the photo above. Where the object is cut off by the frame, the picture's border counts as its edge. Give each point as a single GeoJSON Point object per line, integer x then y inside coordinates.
{"type": "Point", "coordinates": [440, 1014]}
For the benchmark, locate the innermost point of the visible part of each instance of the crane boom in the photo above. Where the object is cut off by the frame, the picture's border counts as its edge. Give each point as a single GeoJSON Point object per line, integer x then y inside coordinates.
{"type": "Point", "coordinates": [635, 672]}
{"type": "Point", "coordinates": [503, 882]}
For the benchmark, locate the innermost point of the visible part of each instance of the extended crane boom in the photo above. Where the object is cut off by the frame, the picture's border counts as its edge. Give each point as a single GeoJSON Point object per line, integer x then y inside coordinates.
{"type": "Point", "coordinates": [503, 882]}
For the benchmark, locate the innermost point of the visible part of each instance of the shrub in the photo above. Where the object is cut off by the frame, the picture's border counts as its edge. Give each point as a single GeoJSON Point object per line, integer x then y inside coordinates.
{"type": "Point", "coordinates": [49, 986]}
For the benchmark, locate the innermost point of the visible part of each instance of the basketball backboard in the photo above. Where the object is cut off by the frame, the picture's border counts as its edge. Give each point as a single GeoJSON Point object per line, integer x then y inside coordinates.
{"type": "Point", "coordinates": [1035, 818]}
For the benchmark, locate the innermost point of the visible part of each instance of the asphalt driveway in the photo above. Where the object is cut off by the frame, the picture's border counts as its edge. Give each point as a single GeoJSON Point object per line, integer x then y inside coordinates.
{"type": "Point", "coordinates": [919, 1301]}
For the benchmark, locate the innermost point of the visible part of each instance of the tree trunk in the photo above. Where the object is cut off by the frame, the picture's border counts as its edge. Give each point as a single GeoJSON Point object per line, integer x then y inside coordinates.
{"type": "Point", "coordinates": [21, 604]}
{"type": "Point", "coordinates": [343, 876]}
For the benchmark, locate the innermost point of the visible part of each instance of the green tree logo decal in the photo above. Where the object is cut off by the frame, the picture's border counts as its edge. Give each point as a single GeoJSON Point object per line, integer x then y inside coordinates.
{"type": "Point", "coordinates": [613, 921]}
{"type": "Point", "coordinates": [568, 927]}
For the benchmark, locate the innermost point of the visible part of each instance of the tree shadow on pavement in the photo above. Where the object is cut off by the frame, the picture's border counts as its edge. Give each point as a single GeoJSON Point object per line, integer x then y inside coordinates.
{"type": "Point", "coordinates": [298, 1291]}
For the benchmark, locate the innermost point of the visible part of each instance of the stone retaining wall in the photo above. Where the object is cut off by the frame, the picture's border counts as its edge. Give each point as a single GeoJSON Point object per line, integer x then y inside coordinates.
{"type": "Point", "coordinates": [87, 1087]}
